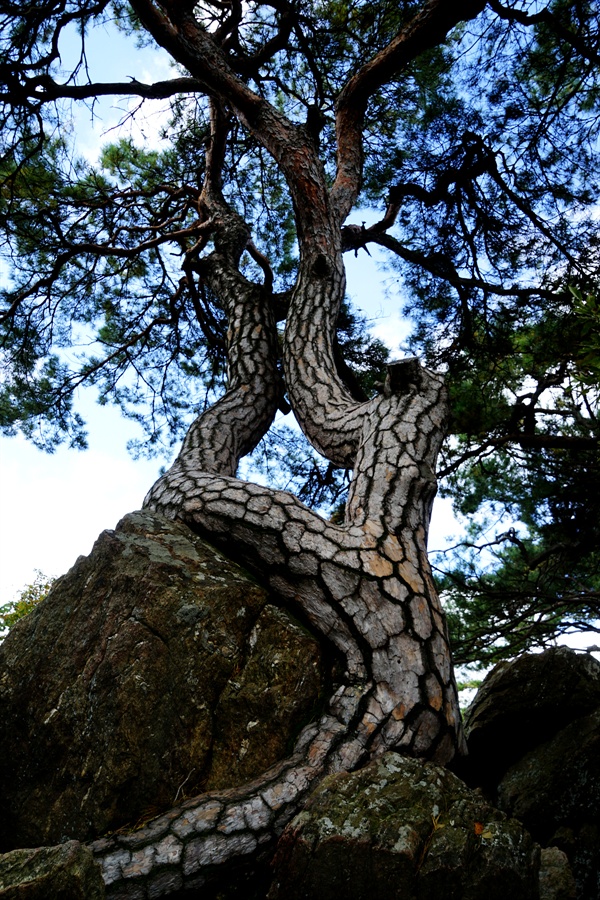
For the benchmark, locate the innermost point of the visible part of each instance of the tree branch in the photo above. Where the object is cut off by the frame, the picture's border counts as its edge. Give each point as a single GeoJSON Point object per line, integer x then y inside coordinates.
{"type": "Point", "coordinates": [526, 442]}
{"type": "Point", "coordinates": [426, 30]}
{"type": "Point", "coordinates": [45, 90]}
{"type": "Point", "coordinates": [545, 17]}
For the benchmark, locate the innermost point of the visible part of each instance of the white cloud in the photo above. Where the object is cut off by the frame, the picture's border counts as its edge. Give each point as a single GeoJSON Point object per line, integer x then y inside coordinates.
{"type": "Point", "coordinates": [54, 507]}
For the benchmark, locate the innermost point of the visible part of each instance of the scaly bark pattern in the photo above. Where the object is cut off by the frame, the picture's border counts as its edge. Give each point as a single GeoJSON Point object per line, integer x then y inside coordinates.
{"type": "Point", "coordinates": [365, 586]}
{"type": "Point", "coordinates": [233, 426]}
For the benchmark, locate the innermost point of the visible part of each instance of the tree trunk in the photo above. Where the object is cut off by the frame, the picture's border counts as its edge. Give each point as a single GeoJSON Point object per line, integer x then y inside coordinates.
{"type": "Point", "coordinates": [365, 586]}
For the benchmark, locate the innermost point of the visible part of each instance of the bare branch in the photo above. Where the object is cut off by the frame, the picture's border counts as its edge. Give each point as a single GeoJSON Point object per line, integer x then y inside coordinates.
{"type": "Point", "coordinates": [45, 90]}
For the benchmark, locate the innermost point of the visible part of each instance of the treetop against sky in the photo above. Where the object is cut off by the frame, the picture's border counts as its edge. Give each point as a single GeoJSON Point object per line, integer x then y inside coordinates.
{"type": "Point", "coordinates": [473, 134]}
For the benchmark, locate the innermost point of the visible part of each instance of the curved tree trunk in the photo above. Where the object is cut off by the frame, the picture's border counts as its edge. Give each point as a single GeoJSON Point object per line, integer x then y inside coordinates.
{"type": "Point", "coordinates": [234, 425]}
{"type": "Point", "coordinates": [365, 586]}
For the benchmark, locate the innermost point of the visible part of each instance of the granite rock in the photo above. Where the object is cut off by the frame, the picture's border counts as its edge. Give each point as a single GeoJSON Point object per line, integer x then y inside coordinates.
{"type": "Point", "coordinates": [154, 667]}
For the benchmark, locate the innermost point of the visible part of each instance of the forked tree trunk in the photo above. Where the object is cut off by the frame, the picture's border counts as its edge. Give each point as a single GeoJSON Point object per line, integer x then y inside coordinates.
{"type": "Point", "coordinates": [365, 586]}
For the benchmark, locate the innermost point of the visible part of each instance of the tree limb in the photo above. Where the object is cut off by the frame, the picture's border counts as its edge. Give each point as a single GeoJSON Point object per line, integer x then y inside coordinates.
{"type": "Point", "coordinates": [426, 29]}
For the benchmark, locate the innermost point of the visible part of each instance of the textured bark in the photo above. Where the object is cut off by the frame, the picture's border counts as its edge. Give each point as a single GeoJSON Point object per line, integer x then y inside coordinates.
{"type": "Point", "coordinates": [324, 408]}
{"type": "Point", "coordinates": [366, 586]}
{"type": "Point", "coordinates": [234, 425]}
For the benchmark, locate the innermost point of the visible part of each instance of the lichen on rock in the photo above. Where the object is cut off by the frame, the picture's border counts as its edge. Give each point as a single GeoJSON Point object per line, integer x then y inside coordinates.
{"type": "Point", "coordinates": [135, 683]}
{"type": "Point", "coordinates": [402, 828]}
{"type": "Point", "coordinates": [65, 872]}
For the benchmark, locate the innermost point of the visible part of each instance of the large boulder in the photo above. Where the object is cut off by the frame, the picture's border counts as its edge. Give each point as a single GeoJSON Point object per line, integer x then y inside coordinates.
{"type": "Point", "coordinates": [523, 703]}
{"type": "Point", "coordinates": [154, 668]}
{"type": "Point", "coordinates": [65, 872]}
{"type": "Point", "coordinates": [403, 828]}
{"type": "Point", "coordinates": [555, 791]}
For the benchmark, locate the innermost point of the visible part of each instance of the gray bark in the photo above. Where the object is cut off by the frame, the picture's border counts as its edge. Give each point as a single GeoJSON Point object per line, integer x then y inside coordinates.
{"type": "Point", "coordinates": [365, 586]}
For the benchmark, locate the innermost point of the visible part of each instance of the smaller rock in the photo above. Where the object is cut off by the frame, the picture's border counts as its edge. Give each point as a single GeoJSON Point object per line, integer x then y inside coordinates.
{"type": "Point", "coordinates": [67, 871]}
{"type": "Point", "coordinates": [557, 784]}
{"type": "Point", "coordinates": [556, 877]}
{"type": "Point", "coordinates": [555, 791]}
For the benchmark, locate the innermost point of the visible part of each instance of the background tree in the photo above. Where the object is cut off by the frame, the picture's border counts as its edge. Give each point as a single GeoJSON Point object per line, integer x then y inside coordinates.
{"type": "Point", "coordinates": [26, 601]}
{"type": "Point", "coordinates": [207, 279]}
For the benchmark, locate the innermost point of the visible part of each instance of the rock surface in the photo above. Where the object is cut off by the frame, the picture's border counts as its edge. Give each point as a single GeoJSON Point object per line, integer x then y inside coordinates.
{"type": "Point", "coordinates": [155, 667]}
{"type": "Point", "coordinates": [403, 828]}
{"type": "Point", "coordinates": [556, 877]}
{"type": "Point", "coordinates": [65, 872]}
{"type": "Point", "coordinates": [555, 791]}
{"type": "Point", "coordinates": [533, 733]}
{"type": "Point", "coordinates": [523, 703]}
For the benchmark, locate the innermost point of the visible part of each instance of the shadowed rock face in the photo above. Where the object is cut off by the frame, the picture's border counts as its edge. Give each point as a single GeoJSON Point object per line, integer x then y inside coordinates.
{"type": "Point", "coordinates": [154, 668]}
{"type": "Point", "coordinates": [534, 739]}
{"type": "Point", "coordinates": [524, 702]}
{"type": "Point", "coordinates": [555, 791]}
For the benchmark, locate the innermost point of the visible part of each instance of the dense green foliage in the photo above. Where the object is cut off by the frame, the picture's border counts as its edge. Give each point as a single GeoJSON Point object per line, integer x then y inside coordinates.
{"type": "Point", "coordinates": [533, 580]}
{"type": "Point", "coordinates": [482, 159]}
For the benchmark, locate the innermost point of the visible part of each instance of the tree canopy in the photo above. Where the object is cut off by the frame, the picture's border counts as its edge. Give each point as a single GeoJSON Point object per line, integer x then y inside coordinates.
{"type": "Point", "coordinates": [472, 132]}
